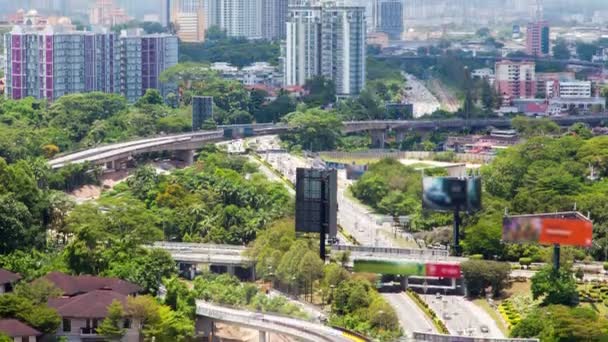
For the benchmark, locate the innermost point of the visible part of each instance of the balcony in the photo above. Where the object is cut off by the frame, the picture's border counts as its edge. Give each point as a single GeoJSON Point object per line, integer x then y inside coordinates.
{"type": "Point", "coordinates": [88, 331]}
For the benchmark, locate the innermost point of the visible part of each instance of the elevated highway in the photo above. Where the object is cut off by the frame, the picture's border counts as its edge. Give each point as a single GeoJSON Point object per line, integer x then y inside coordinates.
{"type": "Point", "coordinates": [186, 143]}
{"type": "Point", "coordinates": [267, 323]}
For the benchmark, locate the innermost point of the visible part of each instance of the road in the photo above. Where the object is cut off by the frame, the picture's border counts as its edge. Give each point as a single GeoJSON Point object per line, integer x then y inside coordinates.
{"type": "Point", "coordinates": [462, 317]}
{"type": "Point", "coordinates": [411, 318]}
{"type": "Point", "coordinates": [446, 98]}
{"type": "Point", "coordinates": [423, 100]}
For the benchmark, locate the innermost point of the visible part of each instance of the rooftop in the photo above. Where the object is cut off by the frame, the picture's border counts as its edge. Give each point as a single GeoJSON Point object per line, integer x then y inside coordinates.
{"type": "Point", "coordinates": [8, 277]}
{"type": "Point", "coordinates": [74, 285]}
{"type": "Point", "coordinates": [14, 328]}
{"type": "Point", "coordinates": [93, 304]}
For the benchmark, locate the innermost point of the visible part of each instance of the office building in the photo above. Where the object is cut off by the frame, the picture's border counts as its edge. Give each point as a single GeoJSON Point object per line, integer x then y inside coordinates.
{"type": "Point", "coordinates": [274, 18]}
{"type": "Point", "coordinates": [388, 17]}
{"type": "Point", "coordinates": [515, 80]}
{"type": "Point", "coordinates": [568, 90]}
{"type": "Point", "coordinates": [537, 38]}
{"type": "Point", "coordinates": [188, 18]}
{"type": "Point", "coordinates": [326, 40]}
{"type": "Point", "coordinates": [54, 62]}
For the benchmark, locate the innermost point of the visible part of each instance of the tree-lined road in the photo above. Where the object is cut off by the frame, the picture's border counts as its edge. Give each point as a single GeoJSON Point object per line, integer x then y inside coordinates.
{"type": "Point", "coordinates": [411, 318]}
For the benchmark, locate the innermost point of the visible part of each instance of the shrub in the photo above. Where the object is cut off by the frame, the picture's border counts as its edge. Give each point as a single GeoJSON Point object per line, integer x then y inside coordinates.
{"type": "Point", "coordinates": [525, 262]}
{"type": "Point", "coordinates": [476, 257]}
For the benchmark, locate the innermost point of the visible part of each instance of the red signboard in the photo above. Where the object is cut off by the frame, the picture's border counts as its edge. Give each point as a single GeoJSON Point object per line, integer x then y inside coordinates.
{"type": "Point", "coordinates": [566, 232]}
{"type": "Point", "coordinates": [548, 231]}
{"type": "Point", "coordinates": [443, 270]}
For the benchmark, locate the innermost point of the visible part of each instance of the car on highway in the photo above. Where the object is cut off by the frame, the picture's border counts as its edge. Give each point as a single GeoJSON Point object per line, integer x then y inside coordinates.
{"type": "Point", "coordinates": [484, 329]}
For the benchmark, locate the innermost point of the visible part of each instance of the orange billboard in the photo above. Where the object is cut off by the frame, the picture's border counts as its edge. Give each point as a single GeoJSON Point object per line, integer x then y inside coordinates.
{"type": "Point", "coordinates": [548, 231]}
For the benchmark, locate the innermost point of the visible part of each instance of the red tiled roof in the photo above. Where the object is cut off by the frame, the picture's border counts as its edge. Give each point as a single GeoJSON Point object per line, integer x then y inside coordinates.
{"type": "Point", "coordinates": [93, 304]}
{"type": "Point", "coordinates": [536, 108]}
{"type": "Point", "coordinates": [8, 277]}
{"type": "Point", "coordinates": [74, 285]}
{"type": "Point", "coordinates": [14, 328]}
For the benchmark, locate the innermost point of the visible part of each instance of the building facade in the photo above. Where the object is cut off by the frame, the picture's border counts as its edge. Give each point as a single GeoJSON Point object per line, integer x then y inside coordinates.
{"type": "Point", "coordinates": [274, 18]}
{"type": "Point", "coordinates": [515, 80]}
{"type": "Point", "coordinates": [55, 62]}
{"type": "Point", "coordinates": [326, 40]}
{"type": "Point", "coordinates": [571, 89]}
{"type": "Point", "coordinates": [537, 38]}
{"type": "Point", "coordinates": [389, 17]}
{"type": "Point", "coordinates": [188, 18]}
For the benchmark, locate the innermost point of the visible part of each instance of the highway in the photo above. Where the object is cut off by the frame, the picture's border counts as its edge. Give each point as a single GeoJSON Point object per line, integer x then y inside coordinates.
{"type": "Point", "coordinates": [296, 328]}
{"type": "Point", "coordinates": [194, 140]}
{"type": "Point", "coordinates": [411, 318]}
{"type": "Point", "coordinates": [463, 317]}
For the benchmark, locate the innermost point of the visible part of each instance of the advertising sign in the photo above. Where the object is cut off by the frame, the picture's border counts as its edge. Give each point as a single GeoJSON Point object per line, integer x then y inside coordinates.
{"type": "Point", "coordinates": [548, 231]}
{"type": "Point", "coordinates": [316, 201]}
{"type": "Point", "coordinates": [474, 194]}
{"type": "Point", "coordinates": [443, 193]}
{"type": "Point", "coordinates": [407, 268]}
{"type": "Point", "coordinates": [443, 270]}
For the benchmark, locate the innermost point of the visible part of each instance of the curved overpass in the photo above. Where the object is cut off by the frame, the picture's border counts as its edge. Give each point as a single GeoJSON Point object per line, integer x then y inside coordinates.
{"type": "Point", "coordinates": [193, 141]}
{"type": "Point", "coordinates": [299, 329]}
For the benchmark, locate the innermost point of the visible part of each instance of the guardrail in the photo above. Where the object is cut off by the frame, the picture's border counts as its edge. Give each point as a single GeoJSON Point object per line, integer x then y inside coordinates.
{"type": "Point", "coordinates": [271, 322]}
{"type": "Point", "coordinates": [417, 336]}
{"type": "Point", "coordinates": [433, 253]}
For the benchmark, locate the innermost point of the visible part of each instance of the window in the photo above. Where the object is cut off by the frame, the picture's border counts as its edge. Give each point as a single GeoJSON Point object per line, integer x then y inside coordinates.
{"type": "Point", "coordinates": [67, 325]}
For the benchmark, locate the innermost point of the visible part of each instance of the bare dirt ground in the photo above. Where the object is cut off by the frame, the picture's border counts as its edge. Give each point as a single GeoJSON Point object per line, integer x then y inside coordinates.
{"type": "Point", "coordinates": [229, 333]}
{"type": "Point", "coordinates": [448, 101]}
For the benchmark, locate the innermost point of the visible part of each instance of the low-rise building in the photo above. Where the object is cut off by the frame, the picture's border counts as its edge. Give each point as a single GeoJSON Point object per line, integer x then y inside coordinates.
{"type": "Point", "coordinates": [569, 89]}
{"type": "Point", "coordinates": [8, 280]}
{"type": "Point", "coordinates": [482, 144]}
{"type": "Point", "coordinates": [515, 80]}
{"type": "Point", "coordinates": [81, 315]}
{"type": "Point", "coordinates": [18, 331]}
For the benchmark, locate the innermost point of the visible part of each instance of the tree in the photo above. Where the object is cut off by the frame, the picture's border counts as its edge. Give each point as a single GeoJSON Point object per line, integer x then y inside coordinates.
{"type": "Point", "coordinates": [480, 274]}
{"type": "Point", "coordinates": [111, 326]}
{"type": "Point", "coordinates": [16, 225]}
{"type": "Point", "coordinates": [40, 317]}
{"type": "Point", "coordinates": [321, 92]}
{"type": "Point", "coordinates": [314, 129]}
{"type": "Point", "coordinates": [484, 238]}
{"type": "Point", "coordinates": [38, 291]}
{"type": "Point", "coordinates": [151, 97]}
{"type": "Point", "coordinates": [143, 180]}
{"type": "Point", "coordinates": [554, 287]}
{"type": "Point", "coordinates": [561, 50]}
{"type": "Point", "coordinates": [562, 323]}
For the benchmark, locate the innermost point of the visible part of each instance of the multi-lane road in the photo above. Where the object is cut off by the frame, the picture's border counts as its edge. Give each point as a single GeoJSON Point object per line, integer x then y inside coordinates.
{"type": "Point", "coordinates": [411, 318]}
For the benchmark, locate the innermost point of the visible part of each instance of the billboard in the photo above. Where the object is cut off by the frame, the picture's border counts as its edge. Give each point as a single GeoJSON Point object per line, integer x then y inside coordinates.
{"type": "Point", "coordinates": [407, 268]}
{"type": "Point", "coordinates": [202, 110]}
{"type": "Point", "coordinates": [548, 231]}
{"type": "Point", "coordinates": [316, 201]}
{"type": "Point", "coordinates": [450, 193]}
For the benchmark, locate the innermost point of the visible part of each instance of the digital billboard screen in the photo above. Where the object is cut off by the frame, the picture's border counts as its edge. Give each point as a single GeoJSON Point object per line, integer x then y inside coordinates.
{"type": "Point", "coordinates": [474, 194]}
{"type": "Point", "coordinates": [408, 268]}
{"type": "Point", "coordinates": [548, 231]}
{"type": "Point", "coordinates": [443, 193]}
{"type": "Point", "coordinates": [316, 201]}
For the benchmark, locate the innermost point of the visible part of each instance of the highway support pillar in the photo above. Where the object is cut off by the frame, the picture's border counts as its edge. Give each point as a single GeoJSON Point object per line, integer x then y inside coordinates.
{"type": "Point", "coordinates": [378, 138]}
{"type": "Point", "coordinates": [399, 136]}
{"type": "Point", "coordinates": [263, 336]}
{"type": "Point", "coordinates": [186, 156]}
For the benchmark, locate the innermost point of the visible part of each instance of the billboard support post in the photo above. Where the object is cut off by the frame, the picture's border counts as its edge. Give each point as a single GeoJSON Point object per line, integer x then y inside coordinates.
{"type": "Point", "coordinates": [322, 233]}
{"type": "Point", "coordinates": [556, 257]}
{"type": "Point", "coordinates": [456, 232]}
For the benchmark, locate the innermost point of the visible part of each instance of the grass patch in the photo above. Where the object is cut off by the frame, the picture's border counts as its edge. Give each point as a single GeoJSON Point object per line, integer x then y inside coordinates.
{"type": "Point", "coordinates": [350, 160]}
{"type": "Point", "coordinates": [482, 303]}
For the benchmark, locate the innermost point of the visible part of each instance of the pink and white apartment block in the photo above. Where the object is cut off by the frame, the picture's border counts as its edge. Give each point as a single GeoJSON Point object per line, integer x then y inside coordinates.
{"type": "Point", "coordinates": [515, 80]}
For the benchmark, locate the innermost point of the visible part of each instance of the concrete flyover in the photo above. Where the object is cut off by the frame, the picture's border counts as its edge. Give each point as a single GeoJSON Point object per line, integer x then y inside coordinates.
{"type": "Point", "coordinates": [208, 314]}
{"type": "Point", "coordinates": [185, 144]}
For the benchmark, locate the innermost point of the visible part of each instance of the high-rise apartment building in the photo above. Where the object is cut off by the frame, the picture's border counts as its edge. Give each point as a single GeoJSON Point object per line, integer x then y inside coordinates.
{"type": "Point", "coordinates": [54, 62]}
{"type": "Point", "coordinates": [106, 13]}
{"type": "Point", "coordinates": [515, 80]}
{"type": "Point", "coordinates": [241, 18]}
{"type": "Point", "coordinates": [188, 18]}
{"type": "Point", "coordinates": [388, 17]}
{"type": "Point", "coordinates": [329, 40]}
{"type": "Point", "coordinates": [274, 18]}
{"type": "Point", "coordinates": [537, 38]}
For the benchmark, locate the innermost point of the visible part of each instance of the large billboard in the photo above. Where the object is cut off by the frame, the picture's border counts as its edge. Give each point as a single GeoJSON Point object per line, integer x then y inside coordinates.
{"type": "Point", "coordinates": [450, 193]}
{"type": "Point", "coordinates": [316, 201]}
{"type": "Point", "coordinates": [548, 231]}
{"type": "Point", "coordinates": [407, 268]}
